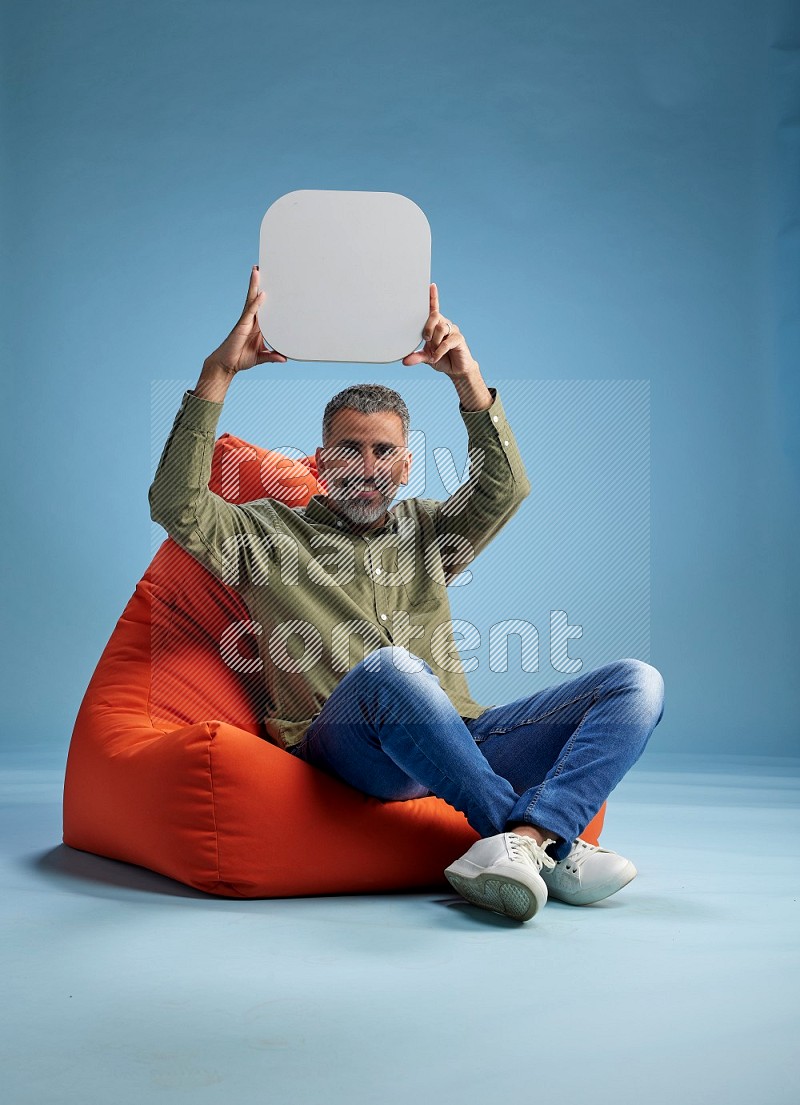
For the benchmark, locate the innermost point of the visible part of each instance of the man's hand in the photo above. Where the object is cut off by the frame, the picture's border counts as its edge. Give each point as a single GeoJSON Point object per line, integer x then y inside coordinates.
{"type": "Point", "coordinates": [244, 346]}
{"type": "Point", "coordinates": [445, 347]}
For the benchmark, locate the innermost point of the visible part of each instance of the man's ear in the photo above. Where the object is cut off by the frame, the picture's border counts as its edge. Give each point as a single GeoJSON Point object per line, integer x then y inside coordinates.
{"type": "Point", "coordinates": [406, 469]}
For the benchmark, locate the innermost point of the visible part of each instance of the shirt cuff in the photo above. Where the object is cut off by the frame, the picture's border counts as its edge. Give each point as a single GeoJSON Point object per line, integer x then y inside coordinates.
{"type": "Point", "coordinates": [489, 428]}
{"type": "Point", "coordinates": [489, 421]}
{"type": "Point", "coordinates": [200, 414]}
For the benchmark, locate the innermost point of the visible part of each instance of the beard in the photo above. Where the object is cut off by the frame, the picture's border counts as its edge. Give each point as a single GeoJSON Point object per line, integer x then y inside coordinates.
{"type": "Point", "coordinates": [361, 511]}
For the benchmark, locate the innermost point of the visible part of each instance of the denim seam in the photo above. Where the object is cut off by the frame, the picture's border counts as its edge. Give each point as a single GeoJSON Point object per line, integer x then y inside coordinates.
{"type": "Point", "coordinates": [539, 717]}
{"type": "Point", "coordinates": [561, 763]}
{"type": "Point", "coordinates": [423, 751]}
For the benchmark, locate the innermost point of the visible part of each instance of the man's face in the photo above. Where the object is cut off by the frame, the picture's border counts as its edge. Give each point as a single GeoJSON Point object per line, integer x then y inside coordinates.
{"type": "Point", "coordinates": [364, 452]}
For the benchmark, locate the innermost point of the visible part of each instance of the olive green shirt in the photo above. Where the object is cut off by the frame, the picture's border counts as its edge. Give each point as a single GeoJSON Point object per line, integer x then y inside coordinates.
{"type": "Point", "coordinates": [321, 595]}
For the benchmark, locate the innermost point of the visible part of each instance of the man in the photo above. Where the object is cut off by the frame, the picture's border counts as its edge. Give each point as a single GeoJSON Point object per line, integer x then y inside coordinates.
{"type": "Point", "coordinates": [401, 723]}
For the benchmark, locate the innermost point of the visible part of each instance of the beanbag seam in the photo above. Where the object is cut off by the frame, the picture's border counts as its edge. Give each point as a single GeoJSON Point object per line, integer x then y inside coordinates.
{"type": "Point", "coordinates": [211, 729]}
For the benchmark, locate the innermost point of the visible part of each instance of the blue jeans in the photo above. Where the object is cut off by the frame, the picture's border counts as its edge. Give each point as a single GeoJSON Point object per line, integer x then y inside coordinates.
{"type": "Point", "coordinates": [548, 759]}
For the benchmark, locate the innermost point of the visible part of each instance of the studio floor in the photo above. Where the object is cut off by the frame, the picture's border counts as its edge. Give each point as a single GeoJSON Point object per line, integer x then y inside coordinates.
{"type": "Point", "coordinates": [120, 985]}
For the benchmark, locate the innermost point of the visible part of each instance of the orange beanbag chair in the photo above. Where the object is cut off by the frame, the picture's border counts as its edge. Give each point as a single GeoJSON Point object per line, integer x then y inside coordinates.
{"type": "Point", "coordinates": [169, 766]}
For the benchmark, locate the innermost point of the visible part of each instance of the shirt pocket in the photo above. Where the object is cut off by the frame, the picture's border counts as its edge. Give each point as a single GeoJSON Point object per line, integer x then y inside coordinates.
{"type": "Point", "coordinates": [423, 597]}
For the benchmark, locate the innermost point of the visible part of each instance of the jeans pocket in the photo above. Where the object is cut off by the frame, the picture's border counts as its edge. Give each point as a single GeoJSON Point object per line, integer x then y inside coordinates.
{"type": "Point", "coordinates": [479, 738]}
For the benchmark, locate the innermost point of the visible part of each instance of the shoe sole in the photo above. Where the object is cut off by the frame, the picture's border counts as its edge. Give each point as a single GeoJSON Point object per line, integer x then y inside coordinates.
{"type": "Point", "coordinates": [597, 893]}
{"type": "Point", "coordinates": [498, 893]}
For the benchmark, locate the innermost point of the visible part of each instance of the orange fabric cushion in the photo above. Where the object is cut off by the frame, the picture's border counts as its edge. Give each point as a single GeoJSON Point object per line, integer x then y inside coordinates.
{"type": "Point", "coordinates": [168, 767]}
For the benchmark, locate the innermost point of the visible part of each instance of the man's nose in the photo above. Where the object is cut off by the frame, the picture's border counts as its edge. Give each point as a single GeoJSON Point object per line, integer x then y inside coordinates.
{"type": "Point", "coordinates": [361, 467]}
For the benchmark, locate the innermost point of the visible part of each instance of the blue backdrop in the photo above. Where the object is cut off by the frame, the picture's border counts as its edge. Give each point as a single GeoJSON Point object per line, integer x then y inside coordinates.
{"type": "Point", "coordinates": [612, 192]}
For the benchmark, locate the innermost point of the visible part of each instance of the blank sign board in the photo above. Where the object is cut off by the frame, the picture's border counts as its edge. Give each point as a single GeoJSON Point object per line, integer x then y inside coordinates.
{"type": "Point", "coordinates": [346, 276]}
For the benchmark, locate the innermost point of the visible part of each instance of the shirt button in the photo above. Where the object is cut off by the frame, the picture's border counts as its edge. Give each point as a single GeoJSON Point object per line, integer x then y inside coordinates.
{"type": "Point", "coordinates": [383, 617]}
{"type": "Point", "coordinates": [378, 571]}
{"type": "Point", "coordinates": [340, 524]}
{"type": "Point", "coordinates": [494, 418]}
{"type": "Point", "coordinates": [505, 442]}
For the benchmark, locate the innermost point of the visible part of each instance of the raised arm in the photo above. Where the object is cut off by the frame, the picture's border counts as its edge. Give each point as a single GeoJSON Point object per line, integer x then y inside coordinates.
{"type": "Point", "coordinates": [497, 481]}
{"type": "Point", "coordinates": [203, 523]}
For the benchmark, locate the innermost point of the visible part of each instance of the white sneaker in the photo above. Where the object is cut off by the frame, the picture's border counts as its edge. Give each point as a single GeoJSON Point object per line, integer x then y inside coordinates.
{"type": "Point", "coordinates": [588, 874]}
{"type": "Point", "coordinates": [501, 873]}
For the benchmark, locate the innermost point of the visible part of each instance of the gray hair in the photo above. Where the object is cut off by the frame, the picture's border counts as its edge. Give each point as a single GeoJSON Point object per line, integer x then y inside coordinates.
{"type": "Point", "coordinates": [368, 398]}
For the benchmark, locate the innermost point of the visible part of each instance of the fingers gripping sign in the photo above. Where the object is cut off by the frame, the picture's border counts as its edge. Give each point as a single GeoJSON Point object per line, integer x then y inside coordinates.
{"type": "Point", "coordinates": [445, 347]}
{"type": "Point", "coordinates": [244, 346]}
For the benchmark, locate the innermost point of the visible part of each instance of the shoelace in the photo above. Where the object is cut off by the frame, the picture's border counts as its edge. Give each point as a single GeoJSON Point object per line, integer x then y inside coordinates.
{"type": "Point", "coordinates": [520, 846]}
{"type": "Point", "coordinates": [580, 851]}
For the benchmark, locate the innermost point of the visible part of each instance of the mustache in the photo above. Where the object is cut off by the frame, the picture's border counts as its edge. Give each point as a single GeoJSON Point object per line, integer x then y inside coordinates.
{"type": "Point", "coordinates": [349, 485]}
